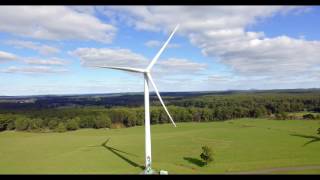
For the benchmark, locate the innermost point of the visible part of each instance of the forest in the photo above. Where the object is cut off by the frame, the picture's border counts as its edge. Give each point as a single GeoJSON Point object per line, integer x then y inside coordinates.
{"type": "Point", "coordinates": [66, 113]}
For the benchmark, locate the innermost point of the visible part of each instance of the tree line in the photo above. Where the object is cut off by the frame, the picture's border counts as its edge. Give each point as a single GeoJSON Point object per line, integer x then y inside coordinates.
{"type": "Point", "coordinates": [194, 109]}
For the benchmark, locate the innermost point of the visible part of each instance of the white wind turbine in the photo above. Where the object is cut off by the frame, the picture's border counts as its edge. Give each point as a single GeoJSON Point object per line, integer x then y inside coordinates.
{"type": "Point", "coordinates": [147, 77]}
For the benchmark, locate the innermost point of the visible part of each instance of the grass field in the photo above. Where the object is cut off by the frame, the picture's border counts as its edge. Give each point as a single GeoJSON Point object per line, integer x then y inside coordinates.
{"type": "Point", "coordinates": [245, 145]}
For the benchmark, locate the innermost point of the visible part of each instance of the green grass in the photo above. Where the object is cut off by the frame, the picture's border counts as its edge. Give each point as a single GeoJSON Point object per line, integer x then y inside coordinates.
{"type": "Point", "coordinates": [238, 145]}
{"type": "Point", "coordinates": [307, 171]}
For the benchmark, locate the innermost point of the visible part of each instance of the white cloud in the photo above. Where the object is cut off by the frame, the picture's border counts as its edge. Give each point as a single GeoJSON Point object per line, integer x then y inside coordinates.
{"type": "Point", "coordinates": [38, 65]}
{"type": "Point", "coordinates": [280, 56]}
{"type": "Point", "coordinates": [190, 18]}
{"type": "Point", "coordinates": [155, 43]}
{"type": "Point", "coordinates": [54, 23]}
{"type": "Point", "coordinates": [179, 66]}
{"type": "Point", "coordinates": [127, 58]}
{"type": "Point", "coordinates": [41, 48]}
{"type": "Point", "coordinates": [219, 78]}
{"type": "Point", "coordinates": [220, 32]}
{"type": "Point", "coordinates": [5, 56]}
{"type": "Point", "coordinates": [33, 70]}
{"type": "Point", "coordinates": [50, 61]}
{"type": "Point", "coordinates": [84, 9]}
{"type": "Point", "coordinates": [54, 61]}
{"type": "Point", "coordinates": [111, 57]}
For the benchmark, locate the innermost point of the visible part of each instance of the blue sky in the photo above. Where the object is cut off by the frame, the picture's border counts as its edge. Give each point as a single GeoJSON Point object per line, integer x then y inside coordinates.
{"type": "Point", "coordinates": [51, 49]}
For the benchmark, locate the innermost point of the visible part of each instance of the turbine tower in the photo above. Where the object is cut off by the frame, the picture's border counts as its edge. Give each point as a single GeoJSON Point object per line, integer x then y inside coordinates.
{"type": "Point", "coordinates": [147, 77]}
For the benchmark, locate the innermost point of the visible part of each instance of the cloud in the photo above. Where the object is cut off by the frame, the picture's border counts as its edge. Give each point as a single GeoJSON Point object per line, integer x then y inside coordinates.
{"type": "Point", "coordinates": [177, 66]}
{"type": "Point", "coordinates": [50, 61]}
{"type": "Point", "coordinates": [190, 18]}
{"type": "Point", "coordinates": [54, 61]}
{"type": "Point", "coordinates": [41, 48]}
{"type": "Point", "coordinates": [5, 56]}
{"type": "Point", "coordinates": [155, 43]}
{"type": "Point", "coordinates": [84, 9]}
{"type": "Point", "coordinates": [219, 78]}
{"type": "Point", "coordinates": [38, 65]}
{"type": "Point", "coordinates": [33, 70]}
{"type": "Point", "coordinates": [223, 82]}
{"type": "Point", "coordinates": [110, 57]}
{"type": "Point", "coordinates": [127, 58]}
{"type": "Point", "coordinates": [279, 56]}
{"type": "Point", "coordinates": [221, 33]}
{"type": "Point", "coordinates": [54, 23]}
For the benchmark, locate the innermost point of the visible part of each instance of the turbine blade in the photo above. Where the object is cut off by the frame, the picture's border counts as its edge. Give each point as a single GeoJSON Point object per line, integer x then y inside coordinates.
{"type": "Point", "coordinates": [154, 60]}
{"type": "Point", "coordinates": [157, 92]}
{"type": "Point", "coordinates": [123, 68]}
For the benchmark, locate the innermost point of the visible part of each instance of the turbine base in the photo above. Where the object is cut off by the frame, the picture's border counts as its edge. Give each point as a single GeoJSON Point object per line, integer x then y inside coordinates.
{"type": "Point", "coordinates": [149, 170]}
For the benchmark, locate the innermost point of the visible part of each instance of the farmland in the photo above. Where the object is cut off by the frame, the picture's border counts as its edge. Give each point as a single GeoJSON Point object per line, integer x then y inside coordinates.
{"type": "Point", "coordinates": [239, 146]}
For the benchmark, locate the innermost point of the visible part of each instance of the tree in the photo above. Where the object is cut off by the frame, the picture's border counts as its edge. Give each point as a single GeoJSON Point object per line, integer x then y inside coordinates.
{"type": "Point", "coordinates": [154, 116]}
{"type": "Point", "coordinates": [163, 117]}
{"type": "Point", "coordinates": [53, 124]}
{"type": "Point", "coordinates": [61, 128]}
{"type": "Point", "coordinates": [72, 125]}
{"type": "Point", "coordinates": [308, 116]}
{"type": "Point", "coordinates": [206, 155]}
{"type": "Point", "coordinates": [140, 116]}
{"type": "Point", "coordinates": [102, 121]}
{"type": "Point", "coordinates": [3, 123]}
{"type": "Point", "coordinates": [87, 121]}
{"type": "Point", "coordinates": [7, 122]}
{"type": "Point", "coordinates": [11, 126]}
{"type": "Point", "coordinates": [205, 115]}
{"type": "Point", "coordinates": [282, 115]}
{"type": "Point", "coordinates": [35, 124]}
{"type": "Point", "coordinates": [108, 122]}
{"type": "Point", "coordinates": [196, 115]}
{"type": "Point", "coordinates": [132, 118]}
{"type": "Point", "coordinates": [184, 115]}
{"type": "Point", "coordinates": [258, 112]}
{"type": "Point", "coordinates": [22, 123]}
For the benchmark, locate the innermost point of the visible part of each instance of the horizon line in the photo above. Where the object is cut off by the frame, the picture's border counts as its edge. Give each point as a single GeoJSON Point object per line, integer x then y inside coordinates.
{"type": "Point", "coordinates": [201, 91]}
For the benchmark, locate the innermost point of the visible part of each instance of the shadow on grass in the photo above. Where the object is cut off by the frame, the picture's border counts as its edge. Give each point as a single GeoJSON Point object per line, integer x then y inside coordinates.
{"type": "Point", "coordinates": [117, 153]}
{"type": "Point", "coordinates": [313, 138]}
{"type": "Point", "coordinates": [194, 161]}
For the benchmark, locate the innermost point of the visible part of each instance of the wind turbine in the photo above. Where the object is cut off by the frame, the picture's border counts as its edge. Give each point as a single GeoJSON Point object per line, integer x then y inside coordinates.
{"type": "Point", "coordinates": [147, 77]}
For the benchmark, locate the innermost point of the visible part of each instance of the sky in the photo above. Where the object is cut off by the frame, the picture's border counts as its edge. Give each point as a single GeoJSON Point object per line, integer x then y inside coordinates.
{"type": "Point", "coordinates": [54, 49]}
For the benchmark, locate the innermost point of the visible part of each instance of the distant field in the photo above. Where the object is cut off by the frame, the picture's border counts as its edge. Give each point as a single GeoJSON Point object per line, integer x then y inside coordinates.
{"type": "Point", "coordinates": [246, 145]}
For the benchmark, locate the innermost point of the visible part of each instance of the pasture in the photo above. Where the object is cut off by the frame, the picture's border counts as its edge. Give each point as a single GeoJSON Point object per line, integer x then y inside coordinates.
{"type": "Point", "coordinates": [239, 146]}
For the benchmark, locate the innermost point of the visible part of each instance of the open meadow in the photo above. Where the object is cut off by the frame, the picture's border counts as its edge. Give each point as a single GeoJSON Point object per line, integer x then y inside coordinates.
{"type": "Point", "coordinates": [239, 146]}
